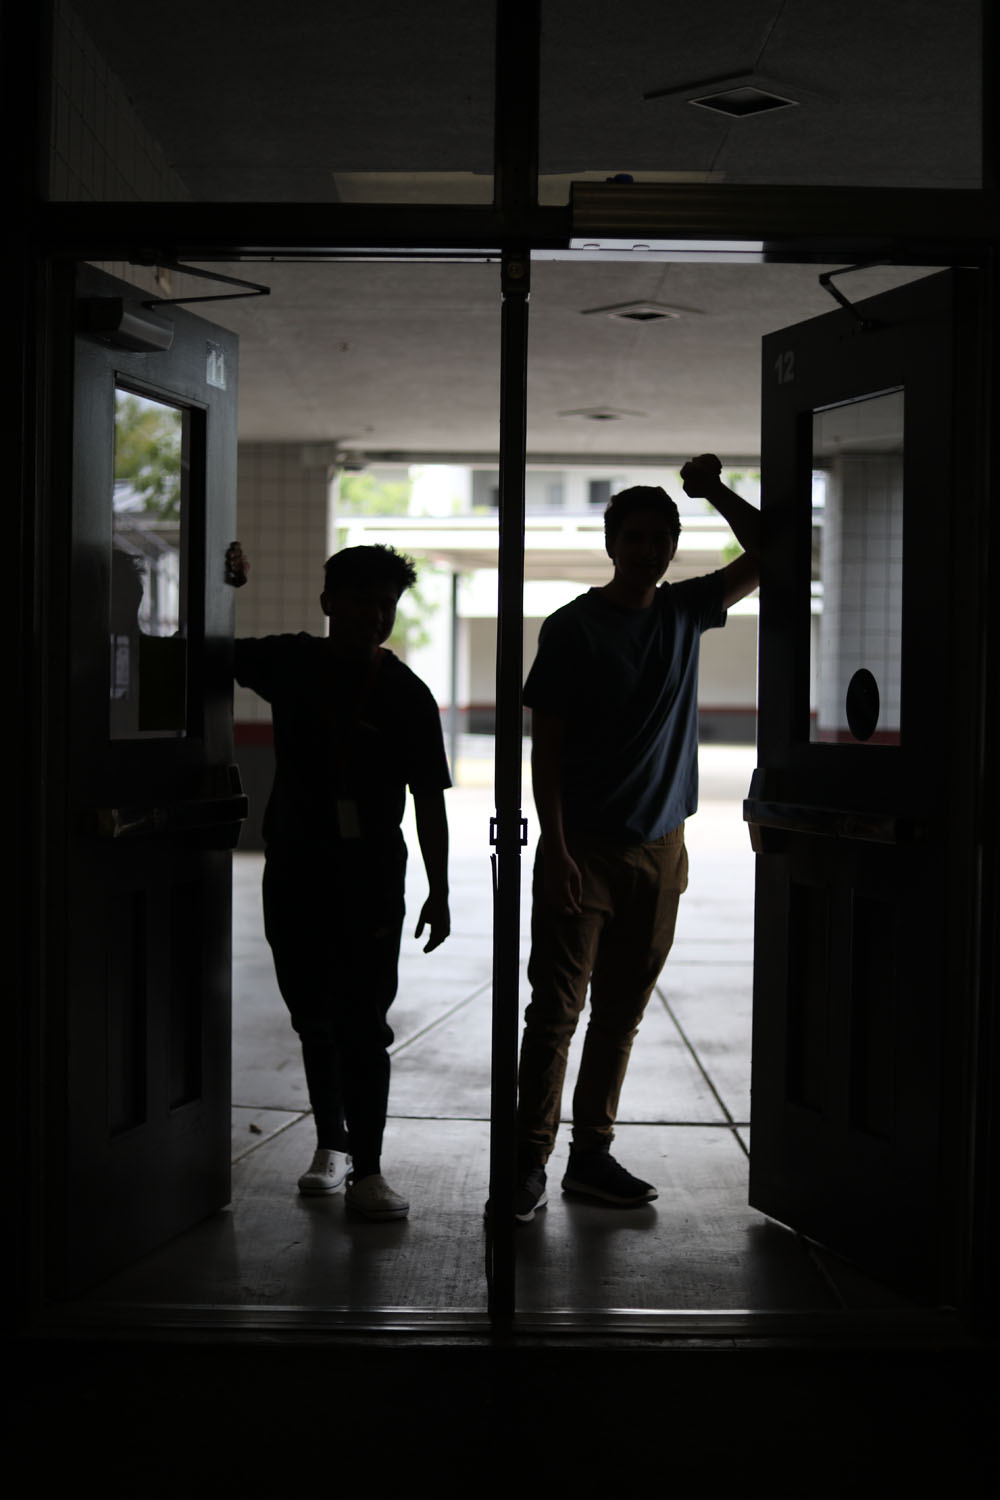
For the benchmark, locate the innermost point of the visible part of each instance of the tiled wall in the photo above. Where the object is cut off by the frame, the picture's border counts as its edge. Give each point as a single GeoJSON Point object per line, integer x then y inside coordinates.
{"type": "Point", "coordinates": [99, 149]}
{"type": "Point", "coordinates": [282, 523]}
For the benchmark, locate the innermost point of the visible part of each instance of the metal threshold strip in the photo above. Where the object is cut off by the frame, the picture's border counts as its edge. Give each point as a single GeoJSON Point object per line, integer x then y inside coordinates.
{"type": "Point", "coordinates": [623, 1327]}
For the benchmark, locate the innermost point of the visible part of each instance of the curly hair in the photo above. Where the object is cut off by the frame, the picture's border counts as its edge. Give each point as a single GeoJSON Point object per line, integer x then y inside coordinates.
{"type": "Point", "coordinates": [356, 567]}
{"type": "Point", "coordinates": [648, 497]}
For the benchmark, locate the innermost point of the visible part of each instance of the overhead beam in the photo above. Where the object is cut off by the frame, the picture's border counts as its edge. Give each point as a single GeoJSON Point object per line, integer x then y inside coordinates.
{"type": "Point", "coordinates": [911, 226]}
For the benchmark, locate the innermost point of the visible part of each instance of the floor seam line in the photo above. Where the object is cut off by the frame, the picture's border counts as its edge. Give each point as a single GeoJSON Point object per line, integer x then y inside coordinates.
{"type": "Point", "coordinates": [267, 1139]}
{"type": "Point", "coordinates": [440, 1020]}
{"type": "Point", "coordinates": [697, 1060]}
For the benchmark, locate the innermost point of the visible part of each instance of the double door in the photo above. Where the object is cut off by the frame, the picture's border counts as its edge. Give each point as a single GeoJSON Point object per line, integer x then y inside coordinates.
{"type": "Point", "coordinates": [862, 809]}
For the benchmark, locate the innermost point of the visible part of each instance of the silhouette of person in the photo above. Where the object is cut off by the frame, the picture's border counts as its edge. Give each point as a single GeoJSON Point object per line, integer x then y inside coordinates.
{"type": "Point", "coordinates": [353, 728]}
{"type": "Point", "coordinates": [613, 697]}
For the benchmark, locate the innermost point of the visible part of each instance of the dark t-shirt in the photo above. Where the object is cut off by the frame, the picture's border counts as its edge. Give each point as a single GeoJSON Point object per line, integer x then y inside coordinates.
{"type": "Point", "coordinates": [342, 732]}
{"type": "Point", "coordinates": [624, 683]}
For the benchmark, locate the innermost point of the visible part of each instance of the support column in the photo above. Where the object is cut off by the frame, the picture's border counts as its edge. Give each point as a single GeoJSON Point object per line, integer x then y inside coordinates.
{"type": "Point", "coordinates": [516, 195]}
{"type": "Point", "coordinates": [508, 821]}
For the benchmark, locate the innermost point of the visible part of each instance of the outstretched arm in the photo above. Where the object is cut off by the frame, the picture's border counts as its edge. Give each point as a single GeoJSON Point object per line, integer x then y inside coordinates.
{"type": "Point", "coordinates": [703, 477]}
{"type": "Point", "coordinates": [432, 835]}
{"type": "Point", "coordinates": [563, 882]}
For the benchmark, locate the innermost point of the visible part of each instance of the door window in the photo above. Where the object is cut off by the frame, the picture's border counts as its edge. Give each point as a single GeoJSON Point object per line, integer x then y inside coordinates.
{"type": "Point", "coordinates": [148, 626]}
{"type": "Point", "coordinates": [857, 571]}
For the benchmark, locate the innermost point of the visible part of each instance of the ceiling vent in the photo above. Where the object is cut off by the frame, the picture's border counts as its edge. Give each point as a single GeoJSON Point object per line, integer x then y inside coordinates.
{"type": "Point", "coordinates": [636, 312]}
{"type": "Point", "coordinates": [601, 414]}
{"type": "Point", "coordinates": [740, 102]}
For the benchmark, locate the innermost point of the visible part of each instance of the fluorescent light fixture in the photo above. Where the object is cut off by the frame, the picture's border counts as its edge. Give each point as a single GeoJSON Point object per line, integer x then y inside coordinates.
{"type": "Point", "coordinates": [607, 248]}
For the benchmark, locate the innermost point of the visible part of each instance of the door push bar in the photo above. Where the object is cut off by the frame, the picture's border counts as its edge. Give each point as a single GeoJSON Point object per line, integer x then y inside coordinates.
{"type": "Point", "coordinates": [214, 820]}
{"type": "Point", "coordinates": [821, 822]}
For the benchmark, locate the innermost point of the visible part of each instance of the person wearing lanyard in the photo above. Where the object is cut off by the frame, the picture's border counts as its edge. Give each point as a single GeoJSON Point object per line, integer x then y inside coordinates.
{"type": "Point", "coordinates": [353, 728]}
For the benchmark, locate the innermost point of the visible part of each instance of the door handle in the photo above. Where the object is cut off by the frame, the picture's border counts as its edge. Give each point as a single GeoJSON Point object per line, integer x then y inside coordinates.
{"type": "Point", "coordinates": [823, 822]}
{"type": "Point", "coordinates": [208, 817]}
{"type": "Point", "coordinates": [174, 817]}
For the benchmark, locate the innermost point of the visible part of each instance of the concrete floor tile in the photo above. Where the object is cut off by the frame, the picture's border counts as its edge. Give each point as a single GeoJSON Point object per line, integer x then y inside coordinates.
{"type": "Point", "coordinates": [444, 1073]}
{"type": "Point", "coordinates": [697, 1246]}
{"type": "Point", "coordinates": [275, 1248]}
{"type": "Point", "coordinates": [253, 1126]}
{"type": "Point", "coordinates": [712, 1004]}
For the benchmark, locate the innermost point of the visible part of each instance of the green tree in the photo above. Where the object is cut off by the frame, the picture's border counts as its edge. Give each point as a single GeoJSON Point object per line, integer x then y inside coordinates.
{"type": "Point", "coordinates": [148, 453]}
{"type": "Point", "coordinates": [364, 495]}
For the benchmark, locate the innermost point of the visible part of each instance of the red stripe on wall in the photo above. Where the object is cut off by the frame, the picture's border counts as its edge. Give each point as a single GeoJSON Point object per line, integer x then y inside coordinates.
{"type": "Point", "coordinates": [253, 734]}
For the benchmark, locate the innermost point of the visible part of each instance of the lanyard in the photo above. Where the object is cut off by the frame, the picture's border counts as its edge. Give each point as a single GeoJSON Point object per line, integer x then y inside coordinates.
{"type": "Point", "coordinates": [344, 742]}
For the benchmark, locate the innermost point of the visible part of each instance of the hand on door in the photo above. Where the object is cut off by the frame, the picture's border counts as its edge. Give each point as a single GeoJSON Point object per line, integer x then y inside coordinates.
{"type": "Point", "coordinates": [237, 566]}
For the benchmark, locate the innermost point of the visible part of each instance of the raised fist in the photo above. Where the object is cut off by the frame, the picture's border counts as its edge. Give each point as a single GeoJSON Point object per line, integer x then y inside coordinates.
{"type": "Point", "coordinates": [701, 475]}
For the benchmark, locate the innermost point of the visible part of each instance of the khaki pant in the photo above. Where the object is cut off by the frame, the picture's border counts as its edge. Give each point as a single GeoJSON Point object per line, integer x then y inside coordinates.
{"type": "Point", "coordinates": [617, 945]}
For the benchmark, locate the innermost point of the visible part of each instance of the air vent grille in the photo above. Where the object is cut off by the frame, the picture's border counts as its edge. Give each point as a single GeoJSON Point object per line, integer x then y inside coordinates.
{"type": "Point", "coordinates": [636, 312]}
{"type": "Point", "coordinates": [741, 102]}
{"type": "Point", "coordinates": [601, 414]}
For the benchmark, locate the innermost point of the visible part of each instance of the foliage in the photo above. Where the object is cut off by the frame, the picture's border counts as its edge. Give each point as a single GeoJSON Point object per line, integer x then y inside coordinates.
{"type": "Point", "coordinates": [148, 454]}
{"type": "Point", "coordinates": [733, 478]}
{"type": "Point", "coordinates": [365, 495]}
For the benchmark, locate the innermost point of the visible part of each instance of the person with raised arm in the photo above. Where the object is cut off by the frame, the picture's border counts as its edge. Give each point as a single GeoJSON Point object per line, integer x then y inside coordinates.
{"type": "Point", "coordinates": [614, 728]}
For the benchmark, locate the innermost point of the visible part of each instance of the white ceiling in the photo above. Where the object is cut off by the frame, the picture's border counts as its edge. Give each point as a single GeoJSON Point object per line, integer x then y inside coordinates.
{"type": "Point", "coordinates": [405, 358]}
{"type": "Point", "coordinates": [320, 101]}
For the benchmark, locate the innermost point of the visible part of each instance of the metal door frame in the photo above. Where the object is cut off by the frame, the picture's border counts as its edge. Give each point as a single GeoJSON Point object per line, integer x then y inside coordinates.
{"type": "Point", "coordinates": [791, 224]}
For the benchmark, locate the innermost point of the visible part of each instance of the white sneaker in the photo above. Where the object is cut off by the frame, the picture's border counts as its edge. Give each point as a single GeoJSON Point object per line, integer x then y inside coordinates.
{"type": "Point", "coordinates": [327, 1173]}
{"type": "Point", "coordinates": [373, 1197]}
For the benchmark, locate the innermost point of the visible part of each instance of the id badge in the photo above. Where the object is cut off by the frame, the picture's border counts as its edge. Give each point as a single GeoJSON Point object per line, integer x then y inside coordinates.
{"type": "Point", "coordinates": [348, 822]}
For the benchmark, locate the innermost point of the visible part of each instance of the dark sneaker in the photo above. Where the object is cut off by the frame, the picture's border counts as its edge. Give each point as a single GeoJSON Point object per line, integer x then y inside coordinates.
{"type": "Point", "coordinates": [530, 1193]}
{"type": "Point", "coordinates": [598, 1175]}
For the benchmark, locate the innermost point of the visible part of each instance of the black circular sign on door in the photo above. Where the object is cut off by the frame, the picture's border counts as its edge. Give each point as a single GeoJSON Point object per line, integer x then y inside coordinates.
{"type": "Point", "coordinates": [862, 704]}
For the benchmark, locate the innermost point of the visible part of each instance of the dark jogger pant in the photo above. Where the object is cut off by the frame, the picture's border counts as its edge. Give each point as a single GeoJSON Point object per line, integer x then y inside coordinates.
{"type": "Point", "coordinates": [334, 927]}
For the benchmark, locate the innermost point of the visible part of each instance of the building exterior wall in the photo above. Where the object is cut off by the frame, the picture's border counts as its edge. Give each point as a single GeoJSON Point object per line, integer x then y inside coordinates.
{"type": "Point", "coordinates": [281, 512]}
{"type": "Point", "coordinates": [99, 149]}
{"type": "Point", "coordinates": [281, 508]}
